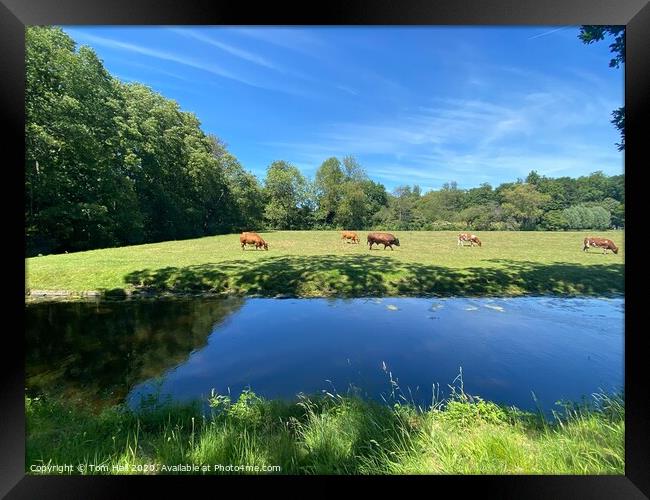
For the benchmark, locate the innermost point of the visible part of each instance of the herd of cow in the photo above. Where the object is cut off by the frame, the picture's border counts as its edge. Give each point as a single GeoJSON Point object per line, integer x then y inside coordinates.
{"type": "Point", "coordinates": [388, 240]}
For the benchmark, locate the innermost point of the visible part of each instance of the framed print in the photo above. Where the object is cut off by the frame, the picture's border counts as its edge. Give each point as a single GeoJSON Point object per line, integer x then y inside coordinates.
{"type": "Point", "coordinates": [365, 239]}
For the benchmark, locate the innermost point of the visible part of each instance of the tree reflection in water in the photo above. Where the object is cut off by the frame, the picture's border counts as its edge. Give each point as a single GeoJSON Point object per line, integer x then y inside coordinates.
{"type": "Point", "coordinates": [98, 351]}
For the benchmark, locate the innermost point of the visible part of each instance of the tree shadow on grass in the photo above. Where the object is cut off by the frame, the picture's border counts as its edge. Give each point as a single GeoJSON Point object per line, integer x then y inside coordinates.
{"type": "Point", "coordinates": [567, 278]}
{"type": "Point", "coordinates": [366, 275]}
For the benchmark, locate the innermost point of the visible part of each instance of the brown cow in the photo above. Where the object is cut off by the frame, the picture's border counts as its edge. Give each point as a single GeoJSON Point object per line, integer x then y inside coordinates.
{"type": "Point", "coordinates": [350, 235]}
{"type": "Point", "coordinates": [472, 238]}
{"type": "Point", "coordinates": [603, 243]}
{"type": "Point", "coordinates": [252, 239]}
{"type": "Point", "coordinates": [386, 239]}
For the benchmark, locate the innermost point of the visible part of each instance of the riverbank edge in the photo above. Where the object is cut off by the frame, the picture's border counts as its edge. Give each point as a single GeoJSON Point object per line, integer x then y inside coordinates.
{"type": "Point", "coordinates": [53, 296]}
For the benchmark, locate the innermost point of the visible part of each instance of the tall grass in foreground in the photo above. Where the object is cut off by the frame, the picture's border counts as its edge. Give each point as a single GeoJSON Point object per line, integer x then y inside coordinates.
{"type": "Point", "coordinates": [330, 434]}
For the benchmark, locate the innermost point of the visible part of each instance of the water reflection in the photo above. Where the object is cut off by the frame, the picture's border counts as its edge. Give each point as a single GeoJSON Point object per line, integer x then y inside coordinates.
{"type": "Point", "coordinates": [99, 351]}
{"type": "Point", "coordinates": [558, 348]}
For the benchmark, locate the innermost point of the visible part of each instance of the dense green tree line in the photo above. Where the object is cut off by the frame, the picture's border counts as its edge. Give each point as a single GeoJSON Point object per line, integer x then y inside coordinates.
{"type": "Point", "coordinates": [110, 164]}
{"type": "Point", "coordinates": [595, 201]}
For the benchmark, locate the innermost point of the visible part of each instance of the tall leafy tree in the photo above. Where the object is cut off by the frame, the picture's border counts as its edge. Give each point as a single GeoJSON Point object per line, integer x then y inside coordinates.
{"type": "Point", "coordinates": [482, 195]}
{"type": "Point", "coordinates": [246, 197]}
{"type": "Point", "coordinates": [328, 181]}
{"type": "Point", "coordinates": [402, 206]}
{"type": "Point", "coordinates": [593, 187]}
{"type": "Point", "coordinates": [361, 197]}
{"type": "Point", "coordinates": [353, 169]}
{"type": "Point", "coordinates": [237, 198]}
{"type": "Point", "coordinates": [345, 196]}
{"type": "Point", "coordinates": [562, 192]}
{"type": "Point", "coordinates": [479, 217]}
{"type": "Point", "coordinates": [287, 194]}
{"type": "Point", "coordinates": [77, 193]}
{"type": "Point", "coordinates": [169, 158]}
{"type": "Point", "coordinates": [586, 217]}
{"type": "Point", "coordinates": [523, 203]}
{"type": "Point", "coordinates": [353, 209]}
{"type": "Point", "coordinates": [376, 200]}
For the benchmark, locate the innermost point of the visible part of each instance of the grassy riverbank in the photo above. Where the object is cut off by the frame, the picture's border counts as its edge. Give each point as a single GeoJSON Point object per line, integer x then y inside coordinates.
{"type": "Point", "coordinates": [318, 263]}
{"type": "Point", "coordinates": [327, 435]}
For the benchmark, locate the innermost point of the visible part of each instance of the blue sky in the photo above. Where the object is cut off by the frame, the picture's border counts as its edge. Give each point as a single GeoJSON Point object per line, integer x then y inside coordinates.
{"type": "Point", "coordinates": [414, 105]}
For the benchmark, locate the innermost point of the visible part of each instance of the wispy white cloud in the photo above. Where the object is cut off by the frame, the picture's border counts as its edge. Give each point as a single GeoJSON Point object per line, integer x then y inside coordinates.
{"type": "Point", "coordinates": [281, 83]}
{"type": "Point", "coordinates": [212, 68]}
{"type": "Point", "coordinates": [347, 89]}
{"type": "Point", "coordinates": [473, 140]}
{"type": "Point", "coordinates": [159, 54]}
{"type": "Point", "coordinates": [251, 57]}
{"type": "Point", "coordinates": [331, 58]}
{"type": "Point", "coordinates": [549, 32]}
{"type": "Point", "coordinates": [470, 170]}
{"type": "Point", "coordinates": [230, 49]}
{"type": "Point", "coordinates": [294, 39]}
{"type": "Point", "coordinates": [161, 86]}
{"type": "Point", "coordinates": [130, 62]}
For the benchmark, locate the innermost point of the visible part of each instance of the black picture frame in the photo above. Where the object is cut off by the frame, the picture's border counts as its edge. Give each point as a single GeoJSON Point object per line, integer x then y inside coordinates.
{"type": "Point", "coordinates": [634, 14]}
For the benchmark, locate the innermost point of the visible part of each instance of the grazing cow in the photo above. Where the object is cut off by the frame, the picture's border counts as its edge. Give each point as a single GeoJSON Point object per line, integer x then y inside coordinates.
{"type": "Point", "coordinates": [350, 235]}
{"type": "Point", "coordinates": [603, 243]}
{"type": "Point", "coordinates": [386, 239]}
{"type": "Point", "coordinates": [252, 239]}
{"type": "Point", "coordinates": [472, 238]}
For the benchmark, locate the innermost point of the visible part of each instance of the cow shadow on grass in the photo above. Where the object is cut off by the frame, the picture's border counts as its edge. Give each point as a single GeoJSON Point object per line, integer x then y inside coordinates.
{"type": "Point", "coordinates": [367, 275]}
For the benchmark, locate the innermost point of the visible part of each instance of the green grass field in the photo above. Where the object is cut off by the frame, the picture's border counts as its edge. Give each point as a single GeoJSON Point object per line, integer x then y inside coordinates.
{"type": "Point", "coordinates": [328, 435]}
{"type": "Point", "coordinates": [318, 263]}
